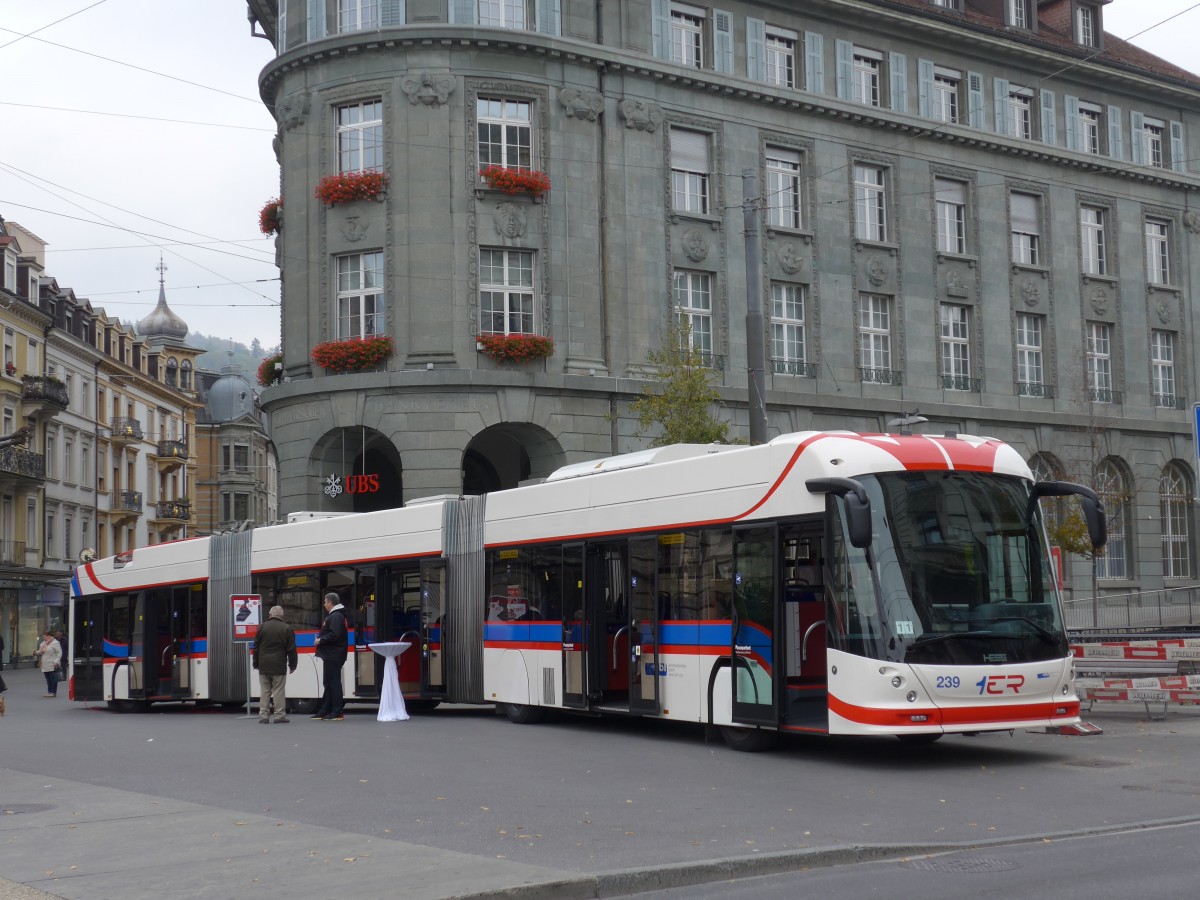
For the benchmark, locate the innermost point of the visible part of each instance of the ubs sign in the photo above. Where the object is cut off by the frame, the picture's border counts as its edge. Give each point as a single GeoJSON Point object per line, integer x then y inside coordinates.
{"type": "Point", "coordinates": [351, 484]}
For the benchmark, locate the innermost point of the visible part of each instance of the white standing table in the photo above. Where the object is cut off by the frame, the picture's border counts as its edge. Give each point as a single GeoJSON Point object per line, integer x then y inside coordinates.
{"type": "Point", "coordinates": [391, 701]}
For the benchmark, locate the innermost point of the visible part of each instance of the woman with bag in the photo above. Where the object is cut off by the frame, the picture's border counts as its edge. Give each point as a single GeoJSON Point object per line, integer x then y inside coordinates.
{"type": "Point", "coordinates": [49, 655]}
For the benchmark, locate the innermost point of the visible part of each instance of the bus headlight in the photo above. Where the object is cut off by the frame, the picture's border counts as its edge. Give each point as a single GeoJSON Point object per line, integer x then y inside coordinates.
{"type": "Point", "coordinates": [897, 681]}
{"type": "Point", "coordinates": [912, 697]}
{"type": "Point", "coordinates": [1066, 689]}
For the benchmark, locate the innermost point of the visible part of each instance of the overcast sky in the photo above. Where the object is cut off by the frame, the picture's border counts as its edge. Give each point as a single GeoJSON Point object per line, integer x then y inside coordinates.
{"type": "Point", "coordinates": [134, 127]}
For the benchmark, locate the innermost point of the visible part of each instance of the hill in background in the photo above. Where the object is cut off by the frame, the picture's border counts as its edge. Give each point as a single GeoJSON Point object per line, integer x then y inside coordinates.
{"type": "Point", "coordinates": [220, 352]}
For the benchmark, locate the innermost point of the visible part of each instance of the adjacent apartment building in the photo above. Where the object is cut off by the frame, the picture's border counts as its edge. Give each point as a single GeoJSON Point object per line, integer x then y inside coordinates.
{"type": "Point", "coordinates": [982, 209]}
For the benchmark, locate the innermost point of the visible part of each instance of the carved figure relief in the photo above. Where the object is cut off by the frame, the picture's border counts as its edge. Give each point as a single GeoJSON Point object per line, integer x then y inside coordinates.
{"type": "Point", "coordinates": [1100, 301]}
{"type": "Point", "coordinates": [1191, 221]}
{"type": "Point", "coordinates": [640, 115]}
{"type": "Point", "coordinates": [790, 259]}
{"type": "Point", "coordinates": [509, 220]}
{"type": "Point", "coordinates": [577, 104]}
{"type": "Point", "coordinates": [694, 245]}
{"type": "Point", "coordinates": [1163, 308]}
{"type": "Point", "coordinates": [1030, 292]}
{"type": "Point", "coordinates": [877, 272]}
{"type": "Point", "coordinates": [955, 286]}
{"type": "Point", "coordinates": [291, 111]}
{"type": "Point", "coordinates": [354, 229]}
{"type": "Point", "coordinates": [427, 89]}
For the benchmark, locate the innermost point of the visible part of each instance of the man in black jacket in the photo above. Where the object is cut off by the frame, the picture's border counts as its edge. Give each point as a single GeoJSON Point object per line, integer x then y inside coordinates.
{"type": "Point", "coordinates": [274, 656]}
{"type": "Point", "coordinates": [332, 644]}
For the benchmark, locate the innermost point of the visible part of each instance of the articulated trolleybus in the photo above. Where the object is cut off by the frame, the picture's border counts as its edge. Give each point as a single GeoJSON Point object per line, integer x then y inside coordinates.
{"type": "Point", "coordinates": [825, 582]}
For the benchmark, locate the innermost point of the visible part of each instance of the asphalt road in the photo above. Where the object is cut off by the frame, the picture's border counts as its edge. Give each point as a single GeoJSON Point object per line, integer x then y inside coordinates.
{"type": "Point", "coordinates": [461, 802]}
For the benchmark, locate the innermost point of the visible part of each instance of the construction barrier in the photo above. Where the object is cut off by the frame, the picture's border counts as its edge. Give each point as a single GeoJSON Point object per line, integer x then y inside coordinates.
{"type": "Point", "coordinates": [1158, 672]}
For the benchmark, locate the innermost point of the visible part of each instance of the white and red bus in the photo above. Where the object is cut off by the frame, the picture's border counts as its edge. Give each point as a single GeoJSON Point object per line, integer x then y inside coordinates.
{"type": "Point", "coordinates": [825, 582]}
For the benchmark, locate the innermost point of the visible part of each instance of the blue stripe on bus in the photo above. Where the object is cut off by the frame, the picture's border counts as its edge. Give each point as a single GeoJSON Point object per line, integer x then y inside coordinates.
{"type": "Point", "coordinates": [704, 634]}
{"type": "Point", "coordinates": [121, 651]}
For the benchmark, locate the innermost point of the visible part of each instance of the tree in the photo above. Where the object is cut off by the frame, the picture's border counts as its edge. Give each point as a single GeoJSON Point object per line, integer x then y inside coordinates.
{"type": "Point", "coordinates": [680, 400]}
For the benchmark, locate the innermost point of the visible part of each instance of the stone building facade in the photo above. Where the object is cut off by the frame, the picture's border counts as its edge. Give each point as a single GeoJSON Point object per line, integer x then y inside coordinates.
{"type": "Point", "coordinates": [981, 209]}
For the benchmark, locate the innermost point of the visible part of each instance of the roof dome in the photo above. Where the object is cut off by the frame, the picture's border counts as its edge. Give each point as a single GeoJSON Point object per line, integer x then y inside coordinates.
{"type": "Point", "coordinates": [162, 324]}
{"type": "Point", "coordinates": [230, 398]}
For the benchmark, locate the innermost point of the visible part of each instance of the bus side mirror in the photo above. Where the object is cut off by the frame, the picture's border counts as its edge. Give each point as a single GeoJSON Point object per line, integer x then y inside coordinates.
{"type": "Point", "coordinates": [1093, 507]}
{"type": "Point", "coordinates": [858, 505]}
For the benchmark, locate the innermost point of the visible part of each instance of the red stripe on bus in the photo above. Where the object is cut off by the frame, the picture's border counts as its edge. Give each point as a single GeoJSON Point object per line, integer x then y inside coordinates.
{"type": "Point", "coordinates": [957, 715]}
{"type": "Point", "coordinates": [139, 587]}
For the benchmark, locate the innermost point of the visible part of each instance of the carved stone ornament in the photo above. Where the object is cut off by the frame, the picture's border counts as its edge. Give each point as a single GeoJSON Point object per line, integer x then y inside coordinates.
{"type": "Point", "coordinates": [354, 229]}
{"type": "Point", "coordinates": [877, 272]}
{"type": "Point", "coordinates": [790, 259]}
{"type": "Point", "coordinates": [1163, 307]}
{"type": "Point", "coordinates": [427, 89]}
{"type": "Point", "coordinates": [577, 104]}
{"type": "Point", "coordinates": [1191, 221]}
{"type": "Point", "coordinates": [1030, 292]}
{"type": "Point", "coordinates": [509, 220]}
{"type": "Point", "coordinates": [1100, 301]}
{"type": "Point", "coordinates": [291, 111]}
{"type": "Point", "coordinates": [694, 245]}
{"type": "Point", "coordinates": [640, 115]}
{"type": "Point", "coordinates": [955, 286]}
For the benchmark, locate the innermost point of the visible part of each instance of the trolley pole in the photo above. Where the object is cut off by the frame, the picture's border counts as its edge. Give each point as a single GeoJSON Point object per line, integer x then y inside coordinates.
{"type": "Point", "coordinates": [755, 329]}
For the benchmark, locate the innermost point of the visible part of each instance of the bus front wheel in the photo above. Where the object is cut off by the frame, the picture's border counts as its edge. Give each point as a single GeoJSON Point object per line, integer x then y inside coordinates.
{"type": "Point", "coordinates": [749, 740]}
{"type": "Point", "coordinates": [524, 715]}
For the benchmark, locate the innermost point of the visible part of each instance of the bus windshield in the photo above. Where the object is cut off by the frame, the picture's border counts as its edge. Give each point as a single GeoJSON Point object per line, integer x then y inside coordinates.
{"type": "Point", "coordinates": [955, 575]}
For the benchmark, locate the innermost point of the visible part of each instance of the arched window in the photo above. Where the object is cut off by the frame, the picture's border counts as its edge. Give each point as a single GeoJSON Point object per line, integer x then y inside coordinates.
{"type": "Point", "coordinates": [1175, 505]}
{"type": "Point", "coordinates": [172, 372]}
{"type": "Point", "coordinates": [1113, 490]}
{"type": "Point", "coordinates": [185, 375]}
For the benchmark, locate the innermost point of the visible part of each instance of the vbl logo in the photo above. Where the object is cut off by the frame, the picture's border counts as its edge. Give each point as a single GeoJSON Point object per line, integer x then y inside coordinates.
{"type": "Point", "coordinates": [999, 684]}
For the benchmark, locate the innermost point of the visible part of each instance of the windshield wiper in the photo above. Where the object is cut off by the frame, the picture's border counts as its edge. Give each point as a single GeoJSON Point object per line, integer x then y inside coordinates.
{"type": "Point", "coordinates": [1045, 633]}
{"type": "Point", "coordinates": [928, 639]}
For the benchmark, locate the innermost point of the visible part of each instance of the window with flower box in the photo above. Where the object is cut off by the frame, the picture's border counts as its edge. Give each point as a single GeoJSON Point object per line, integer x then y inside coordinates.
{"type": "Point", "coordinates": [360, 136]}
{"type": "Point", "coordinates": [505, 130]}
{"type": "Point", "coordinates": [359, 295]}
{"type": "Point", "coordinates": [507, 300]}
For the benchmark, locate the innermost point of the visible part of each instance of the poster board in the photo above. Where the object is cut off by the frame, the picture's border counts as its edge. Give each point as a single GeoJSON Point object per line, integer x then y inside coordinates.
{"type": "Point", "coordinates": [246, 615]}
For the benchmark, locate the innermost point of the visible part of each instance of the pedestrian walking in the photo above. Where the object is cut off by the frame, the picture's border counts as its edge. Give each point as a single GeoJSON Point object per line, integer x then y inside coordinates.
{"type": "Point", "coordinates": [49, 657]}
{"type": "Point", "coordinates": [274, 655]}
{"type": "Point", "coordinates": [332, 644]}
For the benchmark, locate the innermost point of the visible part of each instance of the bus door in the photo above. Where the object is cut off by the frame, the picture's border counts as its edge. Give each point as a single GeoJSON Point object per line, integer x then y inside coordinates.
{"type": "Point", "coordinates": [369, 627]}
{"type": "Point", "coordinates": [606, 625]}
{"type": "Point", "coordinates": [87, 649]}
{"type": "Point", "coordinates": [804, 630]}
{"type": "Point", "coordinates": [432, 629]}
{"type": "Point", "coordinates": [753, 653]}
{"type": "Point", "coordinates": [643, 626]}
{"type": "Point", "coordinates": [574, 668]}
{"type": "Point", "coordinates": [175, 664]}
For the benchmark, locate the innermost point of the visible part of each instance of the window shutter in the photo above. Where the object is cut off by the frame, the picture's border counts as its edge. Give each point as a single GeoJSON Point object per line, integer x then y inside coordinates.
{"type": "Point", "coordinates": [814, 62]}
{"type": "Point", "coordinates": [316, 19]}
{"type": "Point", "coordinates": [1049, 126]}
{"type": "Point", "coordinates": [1000, 104]}
{"type": "Point", "coordinates": [898, 76]}
{"type": "Point", "coordinates": [845, 62]}
{"type": "Point", "coordinates": [689, 150]}
{"type": "Point", "coordinates": [947, 191]}
{"type": "Point", "coordinates": [660, 10]}
{"type": "Point", "coordinates": [549, 16]}
{"type": "Point", "coordinates": [756, 49]}
{"type": "Point", "coordinates": [1071, 114]}
{"type": "Point", "coordinates": [722, 42]}
{"type": "Point", "coordinates": [924, 86]}
{"type": "Point", "coordinates": [462, 12]}
{"type": "Point", "coordinates": [1024, 211]}
{"type": "Point", "coordinates": [1137, 138]}
{"type": "Point", "coordinates": [1116, 145]}
{"type": "Point", "coordinates": [975, 101]}
{"type": "Point", "coordinates": [1177, 158]}
{"type": "Point", "coordinates": [391, 13]}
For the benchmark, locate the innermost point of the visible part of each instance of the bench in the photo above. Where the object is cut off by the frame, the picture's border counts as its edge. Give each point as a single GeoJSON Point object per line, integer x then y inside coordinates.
{"type": "Point", "coordinates": [1152, 671]}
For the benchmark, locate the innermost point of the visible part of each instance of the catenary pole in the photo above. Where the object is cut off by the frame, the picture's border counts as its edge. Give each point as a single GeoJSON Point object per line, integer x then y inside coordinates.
{"type": "Point", "coordinates": [755, 350]}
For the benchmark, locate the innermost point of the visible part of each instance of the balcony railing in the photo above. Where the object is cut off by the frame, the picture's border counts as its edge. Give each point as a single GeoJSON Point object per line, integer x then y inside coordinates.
{"type": "Point", "coordinates": [962, 383]}
{"type": "Point", "coordinates": [1104, 395]}
{"type": "Point", "coordinates": [172, 449]}
{"type": "Point", "coordinates": [879, 376]}
{"type": "Point", "coordinates": [173, 509]}
{"type": "Point", "coordinates": [1035, 389]}
{"type": "Point", "coordinates": [794, 367]}
{"type": "Point", "coordinates": [126, 429]}
{"type": "Point", "coordinates": [41, 388]}
{"type": "Point", "coordinates": [1169, 401]}
{"type": "Point", "coordinates": [26, 463]}
{"type": "Point", "coordinates": [128, 502]}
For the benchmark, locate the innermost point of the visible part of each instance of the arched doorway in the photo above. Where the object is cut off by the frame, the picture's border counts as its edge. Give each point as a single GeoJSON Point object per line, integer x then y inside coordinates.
{"type": "Point", "coordinates": [504, 455]}
{"type": "Point", "coordinates": [356, 469]}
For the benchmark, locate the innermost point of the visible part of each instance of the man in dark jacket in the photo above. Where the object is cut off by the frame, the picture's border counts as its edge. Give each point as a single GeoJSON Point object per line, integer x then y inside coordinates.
{"type": "Point", "coordinates": [333, 642]}
{"type": "Point", "coordinates": [274, 656]}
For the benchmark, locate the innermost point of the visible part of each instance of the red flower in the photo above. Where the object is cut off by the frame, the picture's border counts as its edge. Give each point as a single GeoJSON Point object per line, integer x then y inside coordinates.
{"type": "Point", "coordinates": [270, 218]}
{"type": "Point", "coordinates": [267, 373]}
{"type": "Point", "coordinates": [352, 355]}
{"type": "Point", "coordinates": [516, 347]}
{"type": "Point", "coordinates": [516, 181]}
{"type": "Point", "coordinates": [347, 186]}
